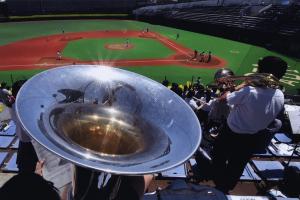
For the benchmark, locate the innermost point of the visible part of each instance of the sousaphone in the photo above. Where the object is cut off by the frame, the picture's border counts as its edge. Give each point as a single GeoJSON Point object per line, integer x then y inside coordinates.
{"type": "Point", "coordinates": [108, 119]}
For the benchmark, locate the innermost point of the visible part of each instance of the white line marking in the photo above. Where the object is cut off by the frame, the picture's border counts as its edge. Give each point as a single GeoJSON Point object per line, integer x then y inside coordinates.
{"type": "Point", "coordinates": [171, 44]}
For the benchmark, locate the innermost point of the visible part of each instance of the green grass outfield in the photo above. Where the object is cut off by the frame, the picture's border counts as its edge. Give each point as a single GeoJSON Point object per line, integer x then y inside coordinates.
{"type": "Point", "coordinates": [241, 57]}
{"type": "Point", "coordinates": [93, 49]}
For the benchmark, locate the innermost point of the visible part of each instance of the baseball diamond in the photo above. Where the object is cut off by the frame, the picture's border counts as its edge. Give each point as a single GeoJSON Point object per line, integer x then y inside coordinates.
{"type": "Point", "coordinates": [32, 46]}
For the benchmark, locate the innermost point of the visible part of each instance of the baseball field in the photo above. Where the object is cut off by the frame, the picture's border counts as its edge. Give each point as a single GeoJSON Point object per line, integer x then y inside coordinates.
{"type": "Point", "coordinates": [27, 48]}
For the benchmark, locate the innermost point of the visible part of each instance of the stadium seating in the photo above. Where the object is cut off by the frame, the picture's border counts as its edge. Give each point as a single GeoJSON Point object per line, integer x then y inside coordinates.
{"type": "Point", "coordinates": [34, 7]}
{"type": "Point", "coordinates": [269, 170]}
{"type": "Point", "coordinates": [11, 165]}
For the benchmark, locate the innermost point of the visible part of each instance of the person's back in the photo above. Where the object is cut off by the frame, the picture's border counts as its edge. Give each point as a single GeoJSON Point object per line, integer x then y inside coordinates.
{"type": "Point", "coordinates": [254, 108]}
{"type": "Point", "coordinates": [219, 111]}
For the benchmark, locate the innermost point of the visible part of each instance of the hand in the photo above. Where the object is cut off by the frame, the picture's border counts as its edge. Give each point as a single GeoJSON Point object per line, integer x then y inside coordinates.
{"type": "Point", "coordinates": [240, 86]}
{"type": "Point", "coordinates": [224, 96]}
{"type": "Point", "coordinates": [39, 167]}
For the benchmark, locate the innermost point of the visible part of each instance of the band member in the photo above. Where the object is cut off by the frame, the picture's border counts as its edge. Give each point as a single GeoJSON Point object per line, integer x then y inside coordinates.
{"type": "Point", "coordinates": [217, 111]}
{"type": "Point", "coordinates": [250, 122]}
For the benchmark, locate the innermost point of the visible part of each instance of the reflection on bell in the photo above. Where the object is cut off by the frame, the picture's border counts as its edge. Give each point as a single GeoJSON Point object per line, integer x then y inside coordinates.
{"type": "Point", "coordinates": [103, 135]}
{"type": "Point", "coordinates": [104, 131]}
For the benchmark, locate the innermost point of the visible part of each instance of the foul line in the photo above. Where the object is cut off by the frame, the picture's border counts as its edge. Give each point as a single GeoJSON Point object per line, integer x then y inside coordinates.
{"type": "Point", "coordinates": [164, 40]}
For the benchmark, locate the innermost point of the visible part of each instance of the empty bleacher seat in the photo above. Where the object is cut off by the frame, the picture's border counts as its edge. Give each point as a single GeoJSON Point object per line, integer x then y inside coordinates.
{"type": "Point", "coordinates": [295, 164]}
{"type": "Point", "coordinates": [15, 144]}
{"type": "Point", "coordinates": [11, 165]}
{"type": "Point", "coordinates": [177, 172]}
{"type": "Point", "coordinates": [249, 174]}
{"type": "Point", "coordinates": [2, 157]}
{"type": "Point", "coordinates": [264, 153]}
{"type": "Point", "coordinates": [283, 138]}
{"type": "Point", "coordinates": [269, 170]}
{"type": "Point", "coordinates": [5, 141]}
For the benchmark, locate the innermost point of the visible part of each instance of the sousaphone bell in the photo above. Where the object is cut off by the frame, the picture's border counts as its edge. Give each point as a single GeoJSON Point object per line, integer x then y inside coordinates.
{"type": "Point", "coordinates": [108, 119]}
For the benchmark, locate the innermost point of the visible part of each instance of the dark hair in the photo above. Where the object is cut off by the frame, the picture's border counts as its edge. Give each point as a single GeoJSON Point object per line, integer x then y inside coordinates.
{"type": "Point", "coordinates": [16, 87]}
{"type": "Point", "coordinates": [272, 65]}
{"type": "Point", "coordinates": [3, 84]}
{"type": "Point", "coordinates": [28, 186]}
{"type": "Point", "coordinates": [190, 94]}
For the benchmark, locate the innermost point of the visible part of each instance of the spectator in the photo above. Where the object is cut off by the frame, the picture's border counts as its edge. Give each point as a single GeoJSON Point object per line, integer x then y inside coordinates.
{"type": "Point", "coordinates": [191, 101]}
{"type": "Point", "coordinates": [165, 82]}
{"type": "Point", "coordinates": [176, 89]}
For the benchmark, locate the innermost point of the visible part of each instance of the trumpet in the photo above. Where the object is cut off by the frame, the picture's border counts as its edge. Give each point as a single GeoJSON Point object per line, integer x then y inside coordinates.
{"type": "Point", "coordinates": [254, 80]}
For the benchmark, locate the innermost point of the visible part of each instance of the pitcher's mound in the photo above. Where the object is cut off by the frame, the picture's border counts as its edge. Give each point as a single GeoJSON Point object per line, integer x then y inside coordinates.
{"type": "Point", "coordinates": [119, 46]}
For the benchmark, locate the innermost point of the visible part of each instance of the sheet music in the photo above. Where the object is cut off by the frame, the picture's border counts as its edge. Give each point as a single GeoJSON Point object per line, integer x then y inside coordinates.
{"type": "Point", "coordinates": [294, 117]}
{"type": "Point", "coordinates": [55, 169]}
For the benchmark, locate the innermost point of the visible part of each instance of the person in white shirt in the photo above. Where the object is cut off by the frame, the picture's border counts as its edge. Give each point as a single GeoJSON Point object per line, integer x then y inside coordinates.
{"type": "Point", "coordinates": [250, 122]}
{"type": "Point", "coordinates": [217, 110]}
{"type": "Point", "coordinates": [191, 101]}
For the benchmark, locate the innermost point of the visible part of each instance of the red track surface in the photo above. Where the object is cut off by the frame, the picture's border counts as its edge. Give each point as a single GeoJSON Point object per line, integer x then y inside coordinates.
{"type": "Point", "coordinates": [40, 53]}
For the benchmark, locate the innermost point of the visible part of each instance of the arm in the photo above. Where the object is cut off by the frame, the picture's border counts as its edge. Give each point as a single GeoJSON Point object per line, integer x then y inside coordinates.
{"type": "Point", "coordinates": [237, 97]}
{"type": "Point", "coordinates": [223, 97]}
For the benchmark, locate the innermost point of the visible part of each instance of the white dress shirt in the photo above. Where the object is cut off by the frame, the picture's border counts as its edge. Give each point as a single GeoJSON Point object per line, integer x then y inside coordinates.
{"type": "Point", "coordinates": [253, 108]}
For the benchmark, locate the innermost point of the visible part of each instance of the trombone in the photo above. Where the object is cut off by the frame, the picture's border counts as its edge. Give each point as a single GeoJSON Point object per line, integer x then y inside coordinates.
{"type": "Point", "coordinates": [254, 80]}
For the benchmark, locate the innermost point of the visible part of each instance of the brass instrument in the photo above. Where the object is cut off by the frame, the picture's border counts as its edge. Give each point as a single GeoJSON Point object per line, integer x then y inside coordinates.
{"type": "Point", "coordinates": [108, 119]}
{"type": "Point", "coordinates": [255, 80]}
